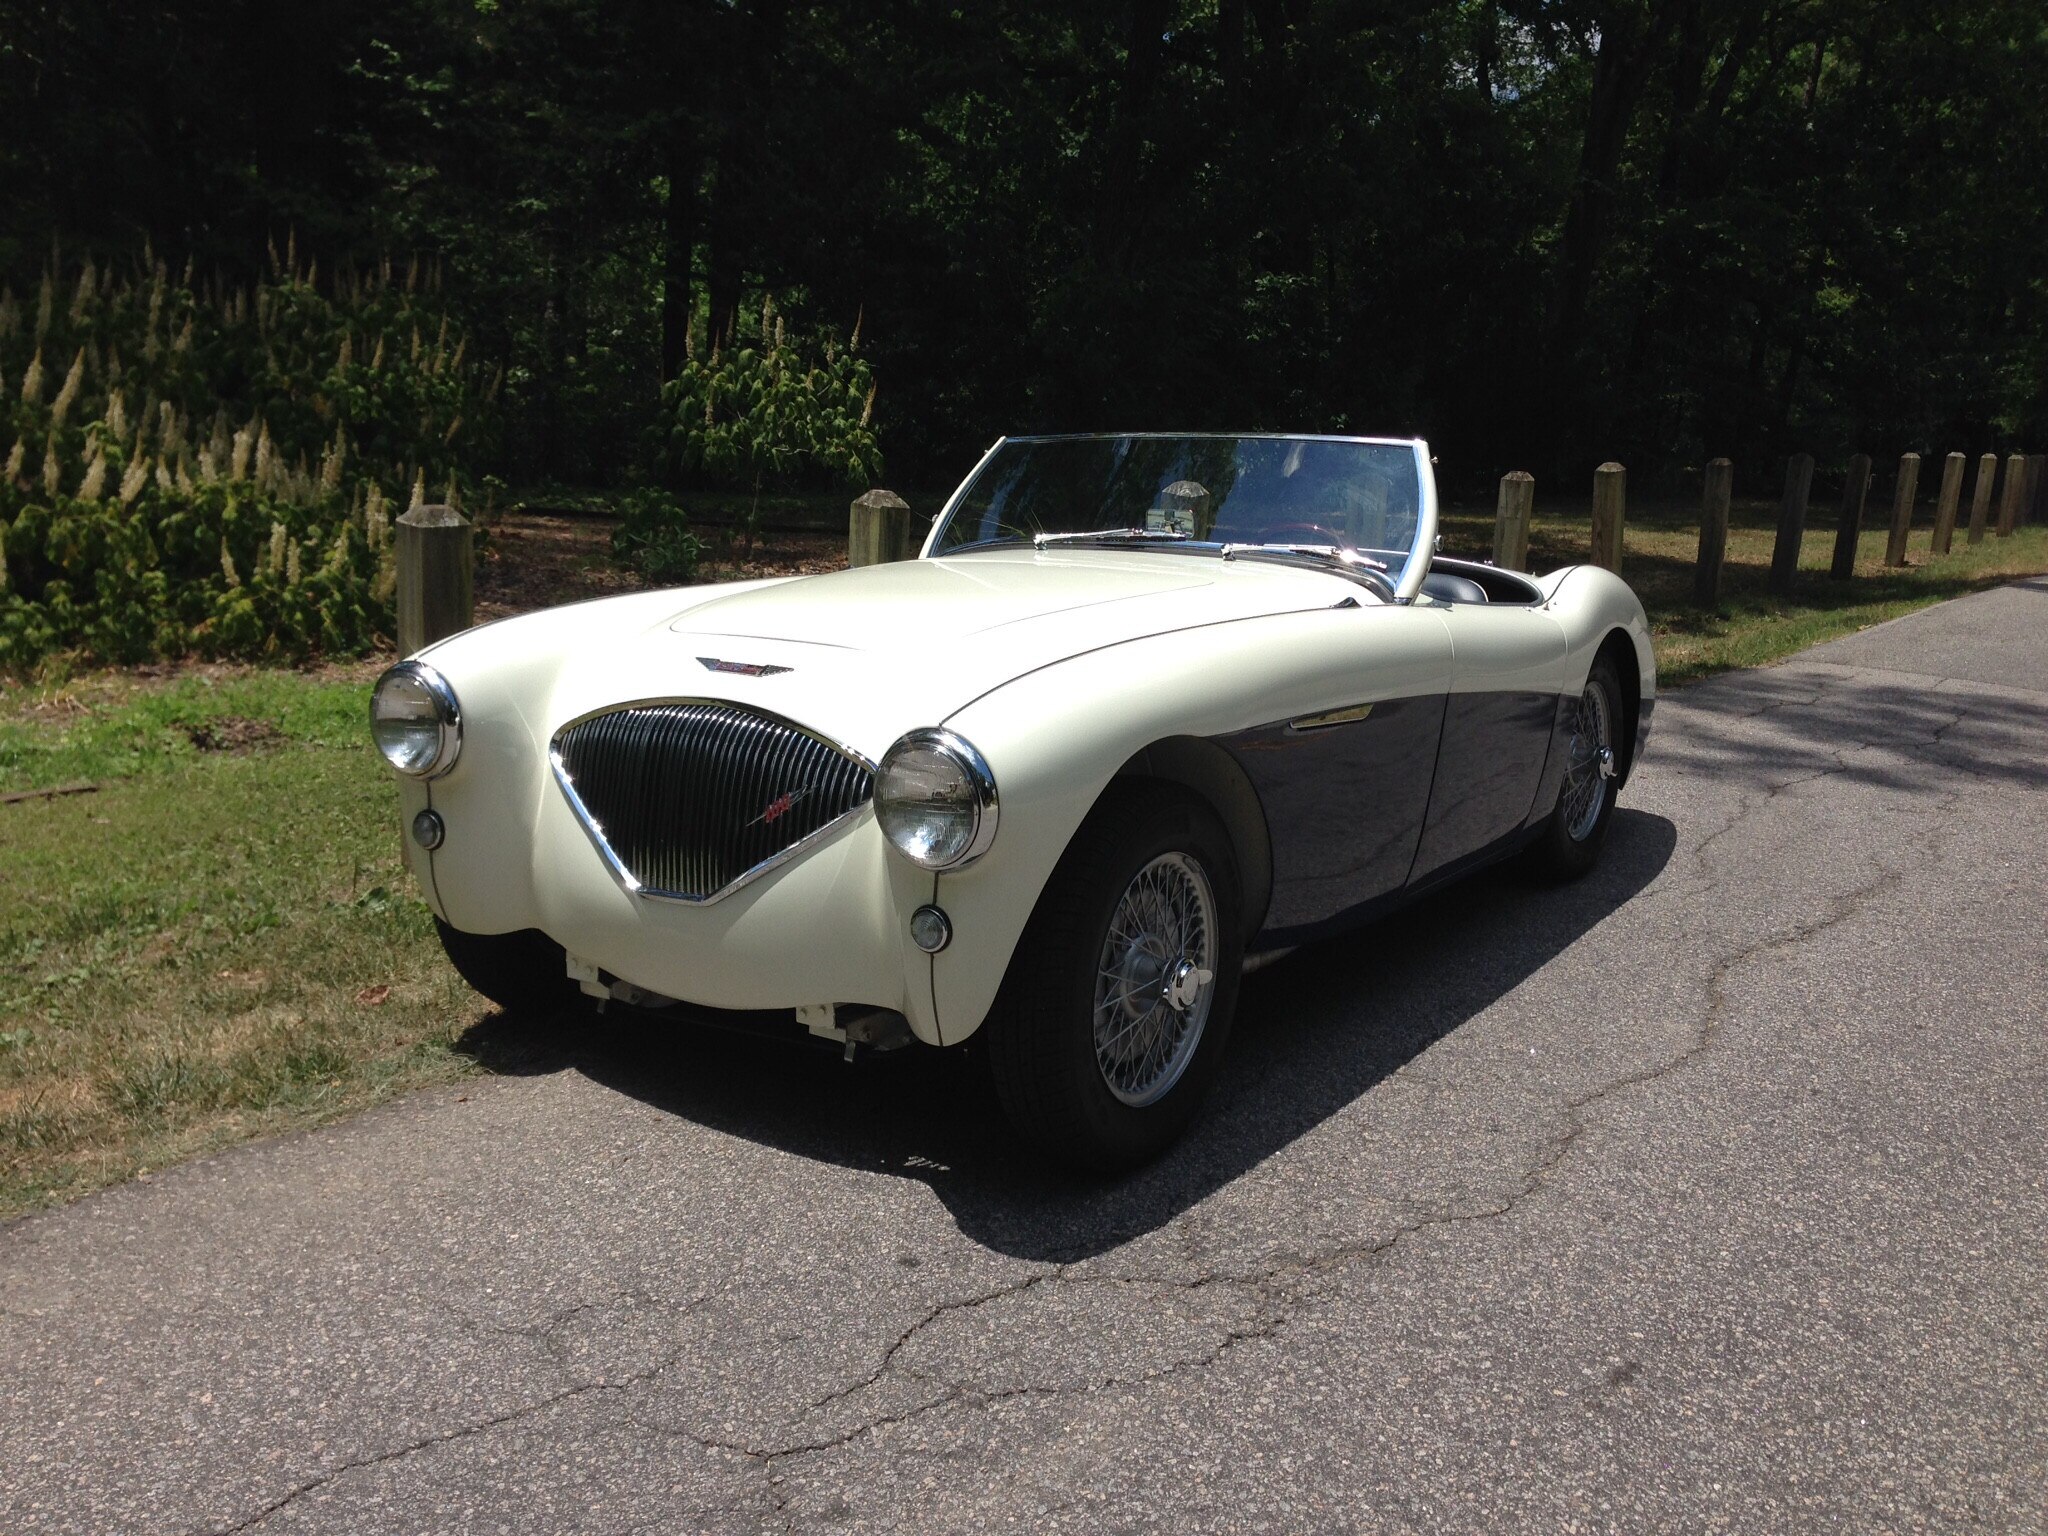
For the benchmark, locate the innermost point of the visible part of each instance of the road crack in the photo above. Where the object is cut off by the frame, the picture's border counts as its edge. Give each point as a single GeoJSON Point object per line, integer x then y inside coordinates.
{"type": "Point", "coordinates": [541, 1333]}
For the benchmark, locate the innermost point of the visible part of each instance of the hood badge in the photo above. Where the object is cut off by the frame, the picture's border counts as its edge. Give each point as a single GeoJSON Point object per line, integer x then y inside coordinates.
{"type": "Point", "coordinates": [780, 806]}
{"type": "Point", "coordinates": [744, 668]}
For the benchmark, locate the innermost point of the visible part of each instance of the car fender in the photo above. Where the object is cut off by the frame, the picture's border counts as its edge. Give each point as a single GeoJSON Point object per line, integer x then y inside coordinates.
{"type": "Point", "coordinates": [1591, 603]}
{"type": "Point", "coordinates": [1056, 737]}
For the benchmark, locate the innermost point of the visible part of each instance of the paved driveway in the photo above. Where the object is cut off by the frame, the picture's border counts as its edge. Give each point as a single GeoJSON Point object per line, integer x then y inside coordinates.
{"type": "Point", "coordinates": [1708, 1194]}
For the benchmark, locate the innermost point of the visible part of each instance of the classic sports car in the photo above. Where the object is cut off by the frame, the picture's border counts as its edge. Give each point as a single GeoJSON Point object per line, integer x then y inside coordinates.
{"type": "Point", "coordinates": [1146, 710]}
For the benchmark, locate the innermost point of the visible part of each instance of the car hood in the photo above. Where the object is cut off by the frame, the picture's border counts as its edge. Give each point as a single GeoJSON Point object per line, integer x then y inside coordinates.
{"type": "Point", "coordinates": [863, 655]}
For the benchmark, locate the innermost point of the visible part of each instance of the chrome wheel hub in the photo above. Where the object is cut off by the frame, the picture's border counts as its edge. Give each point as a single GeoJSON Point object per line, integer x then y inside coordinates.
{"type": "Point", "coordinates": [1589, 763]}
{"type": "Point", "coordinates": [1155, 979]}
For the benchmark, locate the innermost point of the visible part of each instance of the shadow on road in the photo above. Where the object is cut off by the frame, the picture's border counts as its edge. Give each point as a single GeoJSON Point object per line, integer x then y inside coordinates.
{"type": "Point", "coordinates": [1816, 723]}
{"type": "Point", "coordinates": [1313, 1033]}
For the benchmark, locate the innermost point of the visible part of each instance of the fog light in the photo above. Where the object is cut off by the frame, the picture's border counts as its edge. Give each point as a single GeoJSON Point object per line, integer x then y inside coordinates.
{"type": "Point", "coordinates": [930, 929]}
{"type": "Point", "coordinates": [428, 830]}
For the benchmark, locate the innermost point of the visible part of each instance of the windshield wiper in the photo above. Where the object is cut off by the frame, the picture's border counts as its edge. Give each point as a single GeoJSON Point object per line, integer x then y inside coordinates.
{"type": "Point", "coordinates": [1332, 551]}
{"type": "Point", "coordinates": [1111, 535]}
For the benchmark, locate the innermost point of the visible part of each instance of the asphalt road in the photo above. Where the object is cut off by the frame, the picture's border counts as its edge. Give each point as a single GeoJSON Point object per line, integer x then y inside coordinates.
{"type": "Point", "coordinates": [1708, 1194]}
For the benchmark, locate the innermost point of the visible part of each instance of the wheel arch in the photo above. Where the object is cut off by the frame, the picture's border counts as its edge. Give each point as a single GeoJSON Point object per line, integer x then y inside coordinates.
{"type": "Point", "coordinates": [1212, 775]}
{"type": "Point", "coordinates": [1620, 647]}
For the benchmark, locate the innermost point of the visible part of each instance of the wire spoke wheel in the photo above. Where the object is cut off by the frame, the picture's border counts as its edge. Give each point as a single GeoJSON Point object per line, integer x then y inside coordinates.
{"type": "Point", "coordinates": [1155, 979]}
{"type": "Point", "coordinates": [1589, 762]}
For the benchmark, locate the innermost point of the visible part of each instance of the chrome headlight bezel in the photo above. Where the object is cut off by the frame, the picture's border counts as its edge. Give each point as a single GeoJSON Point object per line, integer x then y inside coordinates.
{"type": "Point", "coordinates": [977, 788]}
{"type": "Point", "coordinates": [447, 718]}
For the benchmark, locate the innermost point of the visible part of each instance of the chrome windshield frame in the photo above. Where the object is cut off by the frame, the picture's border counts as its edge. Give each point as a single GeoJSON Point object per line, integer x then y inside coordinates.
{"type": "Point", "coordinates": [1412, 572]}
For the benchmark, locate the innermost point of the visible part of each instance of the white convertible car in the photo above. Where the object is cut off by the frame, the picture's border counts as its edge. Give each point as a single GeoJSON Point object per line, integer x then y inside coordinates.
{"type": "Point", "coordinates": [1146, 710]}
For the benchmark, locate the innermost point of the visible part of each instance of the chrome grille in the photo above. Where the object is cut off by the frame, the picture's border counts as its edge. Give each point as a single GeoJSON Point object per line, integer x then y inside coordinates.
{"type": "Point", "coordinates": [691, 798]}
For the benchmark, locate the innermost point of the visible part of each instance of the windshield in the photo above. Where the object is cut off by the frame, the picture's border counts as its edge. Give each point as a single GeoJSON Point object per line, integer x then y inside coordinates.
{"type": "Point", "coordinates": [1201, 493]}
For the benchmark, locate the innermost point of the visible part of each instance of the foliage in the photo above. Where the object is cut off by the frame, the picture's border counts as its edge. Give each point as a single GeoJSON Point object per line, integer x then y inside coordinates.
{"type": "Point", "coordinates": [654, 537]}
{"type": "Point", "coordinates": [749, 416]}
{"type": "Point", "coordinates": [1542, 232]}
{"type": "Point", "coordinates": [207, 471]}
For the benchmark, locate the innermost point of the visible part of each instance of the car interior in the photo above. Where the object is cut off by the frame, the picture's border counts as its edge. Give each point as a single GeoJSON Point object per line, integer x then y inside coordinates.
{"type": "Point", "coordinates": [1472, 581]}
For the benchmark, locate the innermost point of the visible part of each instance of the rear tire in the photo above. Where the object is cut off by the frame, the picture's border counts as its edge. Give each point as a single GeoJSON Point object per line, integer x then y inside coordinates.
{"type": "Point", "coordinates": [1118, 1000]}
{"type": "Point", "coordinates": [523, 972]}
{"type": "Point", "coordinates": [1574, 833]}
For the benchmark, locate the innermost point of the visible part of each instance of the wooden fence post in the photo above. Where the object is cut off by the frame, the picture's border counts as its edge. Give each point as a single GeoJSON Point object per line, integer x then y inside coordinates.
{"type": "Point", "coordinates": [2009, 504]}
{"type": "Point", "coordinates": [436, 556]}
{"type": "Point", "coordinates": [1951, 497]}
{"type": "Point", "coordinates": [2030, 498]}
{"type": "Point", "coordinates": [878, 529]}
{"type": "Point", "coordinates": [1902, 508]}
{"type": "Point", "coordinates": [1511, 520]}
{"type": "Point", "coordinates": [1610, 508]}
{"type": "Point", "coordinates": [1980, 498]}
{"type": "Point", "coordinates": [1850, 524]}
{"type": "Point", "coordinates": [1791, 524]}
{"type": "Point", "coordinates": [1714, 498]}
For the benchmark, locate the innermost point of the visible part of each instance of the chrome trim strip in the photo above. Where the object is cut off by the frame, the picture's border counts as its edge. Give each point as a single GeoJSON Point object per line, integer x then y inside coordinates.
{"type": "Point", "coordinates": [945, 516]}
{"type": "Point", "coordinates": [626, 879]}
{"type": "Point", "coordinates": [1330, 717]}
{"type": "Point", "coordinates": [1417, 568]}
{"type": "Point", "coordinates": [589, 823]}
{"type": "Point", "coordinates": [766, 714]}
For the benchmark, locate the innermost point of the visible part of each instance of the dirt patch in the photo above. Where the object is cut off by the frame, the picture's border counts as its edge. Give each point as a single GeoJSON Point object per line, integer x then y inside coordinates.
{"type": "Point", "coordinates": [234, 734]}
{"type": "Point", "coordinates": [533, 560]}
{"type": "Point", "coordinates": [66, 699]}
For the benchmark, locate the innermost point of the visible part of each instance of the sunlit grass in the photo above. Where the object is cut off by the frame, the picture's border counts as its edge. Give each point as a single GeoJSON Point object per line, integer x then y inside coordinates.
{"type": "Point", "coordinates": [1750, 626]}
{"type": "Point", "coordinates": [209, 945]}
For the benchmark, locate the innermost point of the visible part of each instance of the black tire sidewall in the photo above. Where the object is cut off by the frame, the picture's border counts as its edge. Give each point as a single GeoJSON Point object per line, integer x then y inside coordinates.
{"type": "Point", "coordinates": [522, 972]}
{"type": "Point", "coordinates": [1557, 855]}
{"type": "Point", "coordinates": [1042, 1036]}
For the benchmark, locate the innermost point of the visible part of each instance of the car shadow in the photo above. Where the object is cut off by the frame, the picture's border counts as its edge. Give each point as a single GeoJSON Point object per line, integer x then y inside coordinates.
{"type": "Point", "coordinates": [1314, 1032]}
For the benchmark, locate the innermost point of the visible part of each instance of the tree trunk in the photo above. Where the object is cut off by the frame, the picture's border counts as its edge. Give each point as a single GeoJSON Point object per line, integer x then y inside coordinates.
{"type": "Point", "coordinates": [739, 182]}
{"type": "Point", "coordinates": [1628, 41]}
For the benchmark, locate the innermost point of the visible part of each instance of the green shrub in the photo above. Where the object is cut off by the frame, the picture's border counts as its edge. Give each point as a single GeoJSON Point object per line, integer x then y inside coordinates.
{"type": "Point", "coordinates": [654, 537]}
{"type": "Point", "coordinates": [759, 417]}
{"type": "Point", "coordinates": [204, 468]}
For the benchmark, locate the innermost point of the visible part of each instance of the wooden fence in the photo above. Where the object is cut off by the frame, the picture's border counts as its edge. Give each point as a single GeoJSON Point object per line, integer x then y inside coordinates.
{"type": "Point", "coordinates": [881, 527]}
{"type": "Point", "coordinates": [2019, 501]}
{"type": "Point", "coordinates": [435, 543]}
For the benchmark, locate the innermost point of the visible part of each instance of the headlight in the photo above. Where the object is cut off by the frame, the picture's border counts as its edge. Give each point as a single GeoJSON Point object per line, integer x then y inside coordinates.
{"type": "Point", "coordinates": [936, 800]}
{"type": "Point", "coordinates": [414, 717]}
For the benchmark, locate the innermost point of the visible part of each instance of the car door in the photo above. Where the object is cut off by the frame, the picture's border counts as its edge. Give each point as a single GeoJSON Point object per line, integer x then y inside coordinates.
{"type": "Point", "coordinates": [1507, 671]}
{"type": "Point", "coordinates": [1345, 783]}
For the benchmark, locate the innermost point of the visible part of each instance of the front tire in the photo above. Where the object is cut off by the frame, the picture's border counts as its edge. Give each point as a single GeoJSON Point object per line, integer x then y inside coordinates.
{"type": "Point", "coordinates": [1569, 844]}
{"type": "Point", "coordinates": [1118, 1001]}
{"type": "Point", "coordinates": [523, 972]}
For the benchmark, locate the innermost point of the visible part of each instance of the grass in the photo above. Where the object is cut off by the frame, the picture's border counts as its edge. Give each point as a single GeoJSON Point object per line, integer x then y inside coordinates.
{"type": "Point", "coordinates": [220, 941]}
{"type": "Point", "coordinates": [215, 944]}
{"type": "Point", "coordinates": [1749, 626]}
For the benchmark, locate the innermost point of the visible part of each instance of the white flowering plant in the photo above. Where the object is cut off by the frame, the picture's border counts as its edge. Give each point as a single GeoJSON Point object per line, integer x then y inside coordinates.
{"type": "Point", "coordinates": [199, 466]}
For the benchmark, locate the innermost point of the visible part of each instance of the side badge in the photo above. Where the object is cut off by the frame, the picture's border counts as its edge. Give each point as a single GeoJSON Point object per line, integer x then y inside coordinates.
{"type": "Point", "coordinates": [743, 668]}
{"type": "Point", "coordinates": [1329, 718]}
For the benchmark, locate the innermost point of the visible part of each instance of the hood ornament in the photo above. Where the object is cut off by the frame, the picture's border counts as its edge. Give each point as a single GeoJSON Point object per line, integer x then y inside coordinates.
{"type": "Point", "coordinates": [744, 668]}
